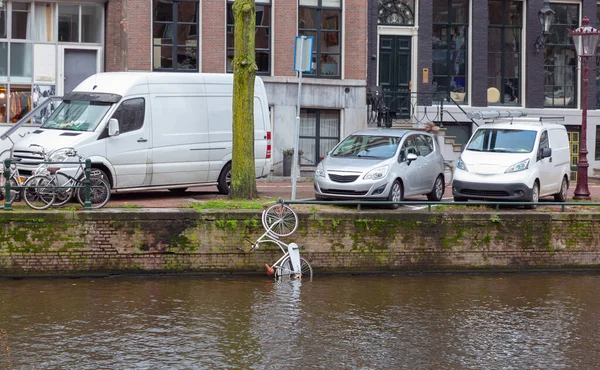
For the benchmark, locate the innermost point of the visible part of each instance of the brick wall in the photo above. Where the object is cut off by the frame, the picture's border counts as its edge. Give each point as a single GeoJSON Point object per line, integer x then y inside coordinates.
{"type": "Point", "coordinates": [128, 35]}
{"type": "Point", "coordinates": [102, 242]}
{"type": "Point", "coordinates": [285, 23]}
{"type": "Point", "coordinates": [213, 35]}
{"type": "Point", "coordinates": [355, 36]}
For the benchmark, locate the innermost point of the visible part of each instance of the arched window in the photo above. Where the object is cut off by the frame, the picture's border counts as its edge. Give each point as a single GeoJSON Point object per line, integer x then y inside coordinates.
{"type": "Point", "coordinates": [396, 12]}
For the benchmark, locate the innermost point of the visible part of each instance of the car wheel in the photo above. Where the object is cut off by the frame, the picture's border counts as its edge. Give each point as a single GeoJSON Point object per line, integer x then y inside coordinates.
{"type": "Point", "coordinates": [438, 190]}
{"type": "Point", "coordinates": [562, 195]}
{"type": "Point", "coordinates": [535, 196]}
{"type": "Point", "coordinates": [396, 194]}
{"type": "Point", "coordinates": [225, 179]}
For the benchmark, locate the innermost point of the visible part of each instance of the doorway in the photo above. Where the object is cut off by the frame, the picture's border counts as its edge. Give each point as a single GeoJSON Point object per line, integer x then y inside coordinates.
{"type": "Point", "coordinates": [79, 64]}
{"type": "Point", "coordinates": [395, 74]}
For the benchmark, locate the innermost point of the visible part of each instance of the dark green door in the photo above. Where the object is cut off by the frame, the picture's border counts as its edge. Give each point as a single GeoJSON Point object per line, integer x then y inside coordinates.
{"type": "Point", "coordinates": [394, 73]}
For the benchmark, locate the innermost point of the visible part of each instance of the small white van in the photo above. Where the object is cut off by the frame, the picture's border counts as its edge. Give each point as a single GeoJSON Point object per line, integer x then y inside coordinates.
{"type": "Point", "coordinates": [148, 130]}
{"type": "Point", "coordinates": [514, 160]}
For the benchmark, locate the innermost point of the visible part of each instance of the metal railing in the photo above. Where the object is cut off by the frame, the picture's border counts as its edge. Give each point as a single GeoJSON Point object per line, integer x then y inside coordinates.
{"type": "Point", "coordinates": [430, 204]}
{"type": "Point", "coordinates": [87, 205]}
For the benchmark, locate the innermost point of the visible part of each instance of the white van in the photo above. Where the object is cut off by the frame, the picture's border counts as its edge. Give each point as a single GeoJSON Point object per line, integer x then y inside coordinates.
{"type": "Point", "coordinates": [515, 160]}
{"type": "Point", "coordinates": [152, 130]}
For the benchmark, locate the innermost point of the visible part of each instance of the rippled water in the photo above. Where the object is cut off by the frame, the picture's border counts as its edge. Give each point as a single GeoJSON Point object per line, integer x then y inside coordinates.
{"type": "Point", "coordinates": [509, 321]}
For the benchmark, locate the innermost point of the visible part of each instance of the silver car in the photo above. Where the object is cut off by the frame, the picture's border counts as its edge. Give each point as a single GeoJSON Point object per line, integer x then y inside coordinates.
{"type": "Point", "coordinates": [385, 164]}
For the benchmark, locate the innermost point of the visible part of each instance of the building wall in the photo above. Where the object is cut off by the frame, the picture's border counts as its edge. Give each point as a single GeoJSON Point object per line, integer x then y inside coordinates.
{"type": "Point", "coordinates": [76, 243]}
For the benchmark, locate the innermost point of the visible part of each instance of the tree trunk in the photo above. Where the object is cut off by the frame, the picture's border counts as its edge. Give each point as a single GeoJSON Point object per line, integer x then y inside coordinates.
{"type": "Point", "coordinates": [243, 173]}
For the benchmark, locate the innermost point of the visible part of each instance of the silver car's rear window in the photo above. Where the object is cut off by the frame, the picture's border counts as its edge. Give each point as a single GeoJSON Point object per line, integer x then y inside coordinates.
{"type": "Point", "coordinates": [367, 146]}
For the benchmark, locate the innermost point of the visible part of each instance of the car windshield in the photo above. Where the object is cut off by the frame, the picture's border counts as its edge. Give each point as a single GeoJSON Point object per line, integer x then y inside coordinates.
{"type": "Point", "coordinates": [503, 141]}
{"type": "Point", "coordinates": [77, 115]}
{"type": "Point", "coordinates": [367, 146]}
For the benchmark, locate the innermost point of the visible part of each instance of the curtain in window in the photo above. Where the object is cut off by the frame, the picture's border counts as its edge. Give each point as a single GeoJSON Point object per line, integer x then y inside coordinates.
{"type": "Point", "coordinates": [43, 22]}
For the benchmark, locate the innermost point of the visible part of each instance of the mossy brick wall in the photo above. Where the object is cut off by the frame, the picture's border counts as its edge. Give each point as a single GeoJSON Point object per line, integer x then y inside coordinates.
{"type": "Point", "coordinates": [188, 241]}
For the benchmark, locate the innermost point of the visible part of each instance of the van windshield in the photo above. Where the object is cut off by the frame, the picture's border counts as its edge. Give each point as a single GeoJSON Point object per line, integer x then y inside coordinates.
{"type": "Point", "coordinates": [367, 146]}
{"type": "Point", "coordinates": [503, 141]}
{"type": "Point", "coordinates": [77, 115]}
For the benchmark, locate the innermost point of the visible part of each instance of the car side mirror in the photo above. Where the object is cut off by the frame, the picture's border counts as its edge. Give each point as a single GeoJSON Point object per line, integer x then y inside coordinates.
{"type": "Point", "coordinates": [113, 127]}
{"type": "Point", "coordinates": [411, 157]}
{"type": "Point", "coordinates": [546, 152]}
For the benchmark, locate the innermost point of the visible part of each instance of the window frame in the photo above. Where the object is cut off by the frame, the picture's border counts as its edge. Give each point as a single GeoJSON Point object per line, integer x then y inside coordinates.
{"type": "Point", "coordinates": [268, 50]}
{"type": "Point", "coordinates": [396, 4]}
{"type": "Point", "coordinates": [504, 80]}
{"type": "Point", "coordinates": [174, 23]}
{"type": "Point", "coordinates": [317, 54]}
{"type": "Point", "coordinates": [448, 26]}
{"type": "Point", "coordinates": [317, 137]}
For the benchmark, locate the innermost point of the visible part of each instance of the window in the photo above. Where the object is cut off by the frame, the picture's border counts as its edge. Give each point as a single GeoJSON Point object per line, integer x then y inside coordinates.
{"type": "Point", "coordinates": [319, 133]}
{"type": "Point", "coordinates": [544, 143]}
{"type": "Point", "coordinates": [175, 35]}
{"type": "Point", "coordinates": [70, 17]}
{"type": "Point", "coordinates": [262, 40]}
{"type": "Point", "coordinates": [504, 50]}
{"type": "Point", "coordinates": [560, 62]}
{"type": "Point", "coordinates": [130, 115]}
{"type": "Point", "coordinates": [450, 47]}
{"type": "Point", "coordinates": [21, 23]}
{"type": "Point", "coordinates": [44, 20]}
{"type": "Point", "coordinates": [423, 146]}
{"type": "Point", "coordinates": [396, 12]}
{"type": "Point", "coordinates": [322, 19]}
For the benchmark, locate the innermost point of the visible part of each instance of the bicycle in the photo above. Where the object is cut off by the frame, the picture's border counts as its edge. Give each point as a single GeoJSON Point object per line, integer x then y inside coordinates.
{"type": "Point", "coordinates": [54, 186]}
{"type": "Point", "coordinates": [280, 220]}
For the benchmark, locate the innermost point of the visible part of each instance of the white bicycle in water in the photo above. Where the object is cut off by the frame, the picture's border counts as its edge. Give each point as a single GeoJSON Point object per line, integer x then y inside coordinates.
{"type": "Point", "coordinates": [280, 220]}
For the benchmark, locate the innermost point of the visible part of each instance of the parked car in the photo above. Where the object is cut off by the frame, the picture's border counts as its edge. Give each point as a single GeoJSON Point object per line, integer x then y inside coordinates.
{"type": "Point", "coordinates": [516, 160]}
{"type": "Point", "coordinates": [386, 164]}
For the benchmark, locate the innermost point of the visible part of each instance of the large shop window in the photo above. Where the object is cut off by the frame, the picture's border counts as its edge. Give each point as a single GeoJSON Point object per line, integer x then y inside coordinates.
{"type": "Point", "coordinates": [322, 19]}
{"type": "Point", "coordinates": [560, 59]}
{"type": "Point", "coordinates": [262, 38]}
{"type": "Point", "coordinates": [319, 133]}
{"type": "Point", "coordinates": [396, 12]}
{"type": "Point", "coordinates": [504, 52]}
{"type": "Point", "coordinates": [450, 48]}
{"type": "Point", "coordinates": [175, 35]}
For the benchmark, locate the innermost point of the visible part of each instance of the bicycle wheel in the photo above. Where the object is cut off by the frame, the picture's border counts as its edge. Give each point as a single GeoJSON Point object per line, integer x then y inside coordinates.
{"type": "Point", "coordinates": [61, 195]}
{"type": "Point", "coordinates": [280, 219]}
{"type": "Point", "coordinates": [285, 270]}
{"type": "Point", "coordinates": [99, 192]}
{"type": "Point", "coordinates": [36, 194]}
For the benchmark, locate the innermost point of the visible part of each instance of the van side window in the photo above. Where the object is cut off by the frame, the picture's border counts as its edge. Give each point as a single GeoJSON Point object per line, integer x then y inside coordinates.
{"type": "Point", "coordinates": [544, 143]}
{"type": "Point", "coordinates": [130, 115]}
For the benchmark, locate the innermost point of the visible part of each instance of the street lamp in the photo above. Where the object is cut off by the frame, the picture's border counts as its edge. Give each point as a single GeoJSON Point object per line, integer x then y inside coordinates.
{"type": "Point", "coordinates": [546, 16]}
{"type": "Point", "coordinates": [585, 39]}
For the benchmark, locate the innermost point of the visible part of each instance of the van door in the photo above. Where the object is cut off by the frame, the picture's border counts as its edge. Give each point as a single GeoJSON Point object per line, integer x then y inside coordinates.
{"type": "Point", "coordinates": [128, 152]}
{"type": "Point", "coordinates": [546, 167]}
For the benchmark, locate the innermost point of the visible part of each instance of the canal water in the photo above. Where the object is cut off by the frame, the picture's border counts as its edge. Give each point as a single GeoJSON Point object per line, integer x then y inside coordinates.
{"type": "Point", "coordinates": [489, 321]}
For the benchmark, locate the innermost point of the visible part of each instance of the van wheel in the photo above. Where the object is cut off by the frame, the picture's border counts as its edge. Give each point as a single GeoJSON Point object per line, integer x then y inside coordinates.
{"type": "Point", "coordinates": [225, 179]}
{"type": "Point", "coordinates": [98, 172]}
{"type": "Point", "coordinates": [396, 195]}
{"type": "Point", "coordinates": [535, 196]}
{"type": "Point", "coordinates": [562, 195]}
{"type": "Point", "coordinates": [438, 190]}
{"type": "Point", "coordinates": [178, 191]}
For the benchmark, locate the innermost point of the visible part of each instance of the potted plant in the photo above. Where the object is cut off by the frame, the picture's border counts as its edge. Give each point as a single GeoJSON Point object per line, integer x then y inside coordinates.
{"type": "Point", "coordinates": [288, 154]}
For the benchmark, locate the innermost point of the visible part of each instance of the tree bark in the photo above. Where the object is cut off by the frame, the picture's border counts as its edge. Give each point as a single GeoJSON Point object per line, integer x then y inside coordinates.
{"type": "Point", "coordinates": [243, 173]}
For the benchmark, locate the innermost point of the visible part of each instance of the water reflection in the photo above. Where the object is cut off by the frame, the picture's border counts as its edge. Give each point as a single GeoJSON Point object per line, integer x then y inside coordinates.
{"type": "Point", "coordinates": [510, 321]}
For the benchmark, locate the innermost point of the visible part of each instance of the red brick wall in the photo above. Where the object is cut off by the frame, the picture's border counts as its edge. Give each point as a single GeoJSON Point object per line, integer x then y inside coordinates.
{"type": "Point", "coordinates": [355, 48]}
{"type": "Point", "coordinates": [285, 23]}
{"type": "Point", "coordinates": [128, 35]}
{"type": "Point", "coordinates": [213, 35]}
{"type": "Point", "coordinates": [113, 55]}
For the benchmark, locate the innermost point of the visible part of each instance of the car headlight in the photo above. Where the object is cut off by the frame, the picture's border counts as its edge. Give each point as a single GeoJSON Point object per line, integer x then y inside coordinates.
{"type": "Point", "coordinates": [377, 174]}
{"type": "Point", "coordinates": [461, 165]}
{"type": "Point", "coordinates": [519, 166]}
{"type": "Point", "coordinates": [320, 171]}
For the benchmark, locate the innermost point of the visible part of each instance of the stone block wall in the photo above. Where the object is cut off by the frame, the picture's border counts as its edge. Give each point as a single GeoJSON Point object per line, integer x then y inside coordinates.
{"type": "Point", "coordinates": [187, 241]}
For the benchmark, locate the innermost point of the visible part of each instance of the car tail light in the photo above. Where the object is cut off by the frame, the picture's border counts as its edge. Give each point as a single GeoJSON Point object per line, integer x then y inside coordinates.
{"type": "Point", "coordinates": [268, 144]}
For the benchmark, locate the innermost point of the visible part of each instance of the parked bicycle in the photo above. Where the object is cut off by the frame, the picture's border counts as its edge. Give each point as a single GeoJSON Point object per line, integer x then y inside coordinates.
{"type": "Point", "coordinates": [280, 220]}
{"type": "Point", "coordinates": [55, 186]}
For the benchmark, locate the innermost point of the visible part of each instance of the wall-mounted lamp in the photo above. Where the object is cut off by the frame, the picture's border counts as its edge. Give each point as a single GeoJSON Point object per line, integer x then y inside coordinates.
{"type": "Point", "coordinates": [546, 15]}
{"type": "Point", "coordinates": [2, 96]}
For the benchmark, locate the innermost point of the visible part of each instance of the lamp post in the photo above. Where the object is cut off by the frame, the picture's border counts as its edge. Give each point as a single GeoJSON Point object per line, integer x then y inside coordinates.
{"type": "Point", "coordinates": [585, 39]}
